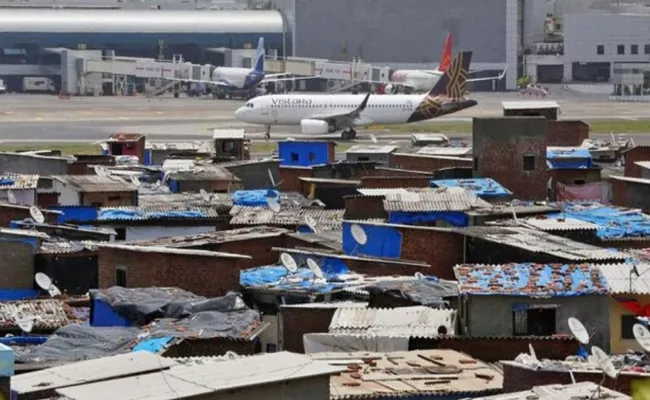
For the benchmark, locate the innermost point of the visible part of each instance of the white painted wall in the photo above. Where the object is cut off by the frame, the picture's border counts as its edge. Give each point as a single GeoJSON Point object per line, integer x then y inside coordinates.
{"type": "Point", "coordinates": [68, 196]}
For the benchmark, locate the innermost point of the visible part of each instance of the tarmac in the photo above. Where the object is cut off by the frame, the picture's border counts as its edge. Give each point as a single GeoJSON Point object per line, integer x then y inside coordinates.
{"type": "Point", "coordinates": [46, 118]}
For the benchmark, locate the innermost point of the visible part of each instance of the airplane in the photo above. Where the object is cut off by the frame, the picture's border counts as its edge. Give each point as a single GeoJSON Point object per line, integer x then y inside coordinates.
{"type": "Point", "coordinates": [228, 81]}
{"type": "Point", "coordinates": [420, 80]}
{"type": "Point", "coordinates": [328, 113]}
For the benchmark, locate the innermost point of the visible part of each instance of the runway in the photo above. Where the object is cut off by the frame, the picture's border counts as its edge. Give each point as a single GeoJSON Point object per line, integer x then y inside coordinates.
{"type": "Point", "coordinates": [43, 118]}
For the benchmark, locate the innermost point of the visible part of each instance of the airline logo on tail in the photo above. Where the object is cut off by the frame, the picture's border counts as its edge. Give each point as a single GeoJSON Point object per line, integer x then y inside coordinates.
{"type": "Point", "coordinates": [447, 96]}
{"type": "Point", "coordinates": [445, 59]}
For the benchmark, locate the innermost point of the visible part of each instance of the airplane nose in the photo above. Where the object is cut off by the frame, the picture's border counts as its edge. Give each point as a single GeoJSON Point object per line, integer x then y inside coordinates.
{"type": "Point", "coordinates": [239, 114]}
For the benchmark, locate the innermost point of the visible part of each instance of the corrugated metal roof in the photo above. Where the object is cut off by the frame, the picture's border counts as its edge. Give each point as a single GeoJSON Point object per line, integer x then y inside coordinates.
{"type": "Point", "coordinates": [381, 192]}
{"type": "Point", "coordinates": [447, 199]}
{"type": "Point", "coordinates": [332, 239]}
{"type": "Point", "coordinates": [445, 151]}
{"type": "Point", "coordinates": [96, 183]}
{"type": "Point", "coordinates": [195, 380]}
{"type": "Point", "coordinates": [486, 187]}
{"type": "Point", "coordinates": [330, 181]}
{"type": "Point", "coordinates": [554, 223]}
{"type": "Point", "coordinates": [220, 201]}
{"type": "Point", "coordinates": [630, 179]}
{"type": "Point", "coordinates": [415, 321]}
{"type": "Point", "coordinates": [201, 146]}
{"type": "Point", "coordinates": [328, 305]}
{"type": "Point", "coordinates": [469, 161]}
{"type": "Point", "coordinates": [426, 137]}
{"type": "Point", "coordinates": [204, 173]}
{"type": "Point", "coordinates": [575, 391]}
{"type": "Point", "coordinates": [140, 21]}
{"type": "Point", "coordinates": [168, 250]}
{"type": "Point", "coordinates": [528, 105]}
{"type": "Point", "coordinates": [84, 372]}
{"type": "Point", "coordinates": [643, 164]}
{"type": "Point", "coordinates": [106, 214]}
{"type": "Point", "coordinates": [412, 374]}
{"type": "Point", "coordinates": [233, 235]}
{"type": "Point", "coordinates": [24, 232]}
{"type": "Point", "coordinates": [21, 207]}
{"type": "Point", "coordinates": [46, 314]}
{"type": "Point", "coordinates": [622, 280]}
{"type": "Point", "coordinates": [66, 247]}
{"type": "Point", "coordinates": [228, 133]}
{"type": "Point", "coordinates": [371, 149]}
{"type": "Point", "coordinates": [243, 215]}
{"type": "Point", "coordinates": [18, 182]}
{"type": "Point", "coordinates": [533, 280]}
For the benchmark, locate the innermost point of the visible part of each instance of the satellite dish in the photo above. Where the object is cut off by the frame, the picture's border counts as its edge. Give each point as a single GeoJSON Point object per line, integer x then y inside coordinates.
{"type": "Point", "coordinates": [36, 214]}
{"type": "Point", "coordinates": [273, 204]}
{"type": "Point", "coordinates": [315, 268]}
{"type": "Point", "coordinates": [578, 330]}
{"type": "Point", "coordinates": [373, 138]}
{"type": "Point", "coordinates": [359, 234]}
{"type": "Point", "coordinates": [531, 349]}
{"type": "Point", "coordinates": [288, 262]}
{"type": "Point", "coordinates": [24, 323]}
{"type": "Point", "coordinates": [135, 180]}
{"type": "Point", "coordinates": [44, 282]}
{"type": "Point", "coordinates": [205, 195]}
{"type": "Point", "coordinates": [311, 223]}
{"type": "Point", "coordinates": [604, 362]}
{"type": "Point", "coordinates": [231, 355]}
{"type": "Point", "coordinates": [11, 197]}
{"type": "Point", "coordinates": [642, 335]}
{"type": "Point", "coordinates": [419, 275]}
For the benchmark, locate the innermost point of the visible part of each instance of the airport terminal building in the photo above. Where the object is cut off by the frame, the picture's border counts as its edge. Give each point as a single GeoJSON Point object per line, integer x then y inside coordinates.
{"type": "Point", "coordinates": [551, 41]}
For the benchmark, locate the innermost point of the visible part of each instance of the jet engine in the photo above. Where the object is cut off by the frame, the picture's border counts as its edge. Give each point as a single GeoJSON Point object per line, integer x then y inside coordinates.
{"type": "Point", "coordinates": [314, 127]}
{"type": "Point", "coordinates": [391, 89]}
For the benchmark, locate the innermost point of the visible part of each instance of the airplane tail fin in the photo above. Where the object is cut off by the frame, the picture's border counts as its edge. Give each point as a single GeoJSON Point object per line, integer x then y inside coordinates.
{"type": "Point", "coordinates": [445, 58]}
{"type": "Point", "coordinates": [259, 56]}
{"type": "Point", "coordinates": [453, 83]}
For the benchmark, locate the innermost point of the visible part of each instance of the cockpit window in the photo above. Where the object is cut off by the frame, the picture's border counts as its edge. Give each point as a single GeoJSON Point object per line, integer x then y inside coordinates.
{"type": "Point", "coordinates": [249, 105]}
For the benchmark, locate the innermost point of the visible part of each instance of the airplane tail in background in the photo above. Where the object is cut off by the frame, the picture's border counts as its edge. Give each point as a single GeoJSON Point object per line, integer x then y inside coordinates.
{"type": "Point", "coordinates": [453, 83]}
{"type": "Point", "coordinates": [445, 58]}
{"type": "Point", "coordinates": [259, 57]}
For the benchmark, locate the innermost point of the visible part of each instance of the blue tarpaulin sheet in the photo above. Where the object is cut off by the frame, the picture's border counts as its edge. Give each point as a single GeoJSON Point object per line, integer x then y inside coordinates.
{"type": "Point", "coordinates": [118, 214]}
{"type": "Point", "coordinates": [272, 276]}
{"type": "Point", "coordinates": [383, 241]}
{"type": "Point", "coordinates": [154, 345]}
{"type": "Point", "coordinates": [514, 281]}
{"type": "Point", "coordinates": [18, 294]}
{"type": "Point", "coordinates": [569, 158]}
{"type": "Point", "coordinates": [18, 340]}
{"type": "Point", "coordinates": [253, 198]}
{"type": "Point", "coordinates": [612, 222]}
{"type": "Point", "coordinates": [7, 182]}
{"type": "Point", "coordinates": [483, 187]}
{"type": "Point", "coordinates": [455, 218]}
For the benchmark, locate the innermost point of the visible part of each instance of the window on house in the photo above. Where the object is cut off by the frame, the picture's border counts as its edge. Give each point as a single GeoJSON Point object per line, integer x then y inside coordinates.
{"type": "Point", "coordinates": [363, 158]}
{"type": "Point", "coordinates": [627, 322]}
{"type": "Point", "coordinates": [121, 233]}
{"type": "Point", "coordinates": [579, 182]}
{"type": "Point", "coordinates": [120, 276]}
{"type": "Point", "coordinates": [130, 145]}
{"type": "Point", "coordinates": [600, 49]}
{"type": "Point", "coordinates": [475, 163]}
{"type": "Point", "coordinates": [620, 49]}
{"type": "Point", "coordinates": [294, 157]}
{"type": "Point", "coordinates": [312, 156]}
{"type": "Point", "coordinates": [634, 49]}
{"type": "Point", "coordinates": [646, 49]}
{"type": "Point", "coordinates": [529, 163]}
{"type": "Point", "coordinates": [533, 322]}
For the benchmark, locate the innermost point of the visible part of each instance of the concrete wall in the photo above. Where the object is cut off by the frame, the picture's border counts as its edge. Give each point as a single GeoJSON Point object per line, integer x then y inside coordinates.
{"type": "Point", "coordinates": [255, 175]}
{"type": "Point", "coordinates": [32, 165]}
{"type": "Point", "coordinates": [638, 153]}
{"type": "Point", "coordinates": [492, 315]}
{"type": "Point", "coordinates": [17, 263]}
{"type": "Point", "coordinates": [500, 146]}
{"type": "Point", "coordinates": [630, 194]}
{"type": "Point", "coordinates": [67, 196]}
{"type": "Point", "coordinates": [375, 29]}
{"type": "Point", "coordinates": [584, 32]}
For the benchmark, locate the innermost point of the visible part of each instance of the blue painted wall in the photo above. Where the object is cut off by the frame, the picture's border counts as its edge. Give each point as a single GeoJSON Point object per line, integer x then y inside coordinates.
{"type": "Point", "coordinates": [75, 213]}
{"type": "Point", "coordinates": [307, 153]}
{"type": "Point", "coordinates": [455, 218]}
{"type": "Point", "coordinates": [102, 314]}
{"type": "Point", "coordinates": [173, 186]}
{"type": "Point", "coordinates": [383, 241]}
{"type": "Point", "coordinates": [18, 294]}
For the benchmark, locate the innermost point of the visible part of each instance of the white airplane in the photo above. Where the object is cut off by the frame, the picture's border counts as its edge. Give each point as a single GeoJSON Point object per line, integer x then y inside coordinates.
{"type": "Point", "coordinates": [328, 113]}
{"type": "Point", "coordinates": [227, 81]}
{"type": "Point", "coordinates": [421, 80]}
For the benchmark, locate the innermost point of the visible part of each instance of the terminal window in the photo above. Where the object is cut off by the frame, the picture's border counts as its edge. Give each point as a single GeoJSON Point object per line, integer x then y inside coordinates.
{"type": "Point", "coordinates": [634, 49]}
{"type": "Point", "coordinates": [646, 49]}
{"type": "Point", "coordinates": [620, 49]}
{"type": "Point", "coordinates": [600, 49]}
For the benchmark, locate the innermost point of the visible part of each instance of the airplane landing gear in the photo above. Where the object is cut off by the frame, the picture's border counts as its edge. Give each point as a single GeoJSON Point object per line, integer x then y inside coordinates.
{"type": "Point", "coordinates": [267, 135]}
{"type": "Point", "coordinates": [349, 134]}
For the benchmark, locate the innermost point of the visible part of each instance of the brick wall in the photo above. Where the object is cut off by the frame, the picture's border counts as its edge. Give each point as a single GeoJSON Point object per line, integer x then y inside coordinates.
{"type": "Point", "coordinates": [202, 275]}
{"type": "Point", "coordinates": [441, 250]}
{"type": "Point", "coordinates": [82, 165]}
{"type": "Point", "coordinates": [426, 163]}
{"type": "Point", "coordinates": [508, 348]}
{"type": "Point", "coordinates": [384, 171]}
{"type": "Point", "coordinates": [566, 133]}
{"type": "Point", "coordinates": [638, 153]}
{"type": "Point", "coordinates": [47, 199]}
{"type": "Point", "coordinates": [630, 194]}
{"type": "Point", "coordinates": [570, 176]}
{"type": "Point", "coordinates": [258, 248]}
{"type": "Point", "coordinates": [296, 321]}
{"type": "Point", "coordinates": [9, 213]}
{"type": "Point", "coordinates": [384, 182]}
{"type": "Point", "coordinates": [374, 267]}
{"type": "Point", "coordinates": [619, 192]}
{"type": "Point", "coordinates": [110, 199]}
{"type": "Point", "coordinates": [290, 178]}
{"type": "Point", "coordinates": [516, 378]}
{"type": "Point", "coordinates": [17, 265]}
{"type": "Point", "coordinates": [364, 207]}
{"type": "Point", "coordinates": [210, 347]}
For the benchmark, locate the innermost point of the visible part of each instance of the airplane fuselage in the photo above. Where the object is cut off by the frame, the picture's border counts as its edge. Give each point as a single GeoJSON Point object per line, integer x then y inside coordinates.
{"type": "Point", "coordinates": [417, 80]}
{"type": "Point", "coordinates": [291, 109]}
{"type": "Point", "coordinates": [236, 78]}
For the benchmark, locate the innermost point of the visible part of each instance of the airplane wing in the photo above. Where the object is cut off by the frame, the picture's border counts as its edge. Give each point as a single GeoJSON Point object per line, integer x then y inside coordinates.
{"type": "Point", "coordinates": [344, 119]}
{"type": "Point", "coordinates": [297, 78]}
{"type": "Point", "coordinates": [490, 78]}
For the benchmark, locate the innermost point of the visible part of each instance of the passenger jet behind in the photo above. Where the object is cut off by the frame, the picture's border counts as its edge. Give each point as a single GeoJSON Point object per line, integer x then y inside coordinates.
{"type": "Point", "coordinates": [329, 113]}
